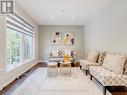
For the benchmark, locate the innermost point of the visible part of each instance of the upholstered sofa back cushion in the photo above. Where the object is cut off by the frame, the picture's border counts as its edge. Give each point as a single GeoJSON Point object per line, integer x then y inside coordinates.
{"type": "Point", "coordinates": [93, 56]}
{"type": "Point", "coordinates": [114, 63]}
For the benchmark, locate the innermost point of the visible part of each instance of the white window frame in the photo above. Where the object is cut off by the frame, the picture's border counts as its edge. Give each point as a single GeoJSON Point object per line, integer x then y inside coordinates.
{"type": "Point", "coordinates": [22, 60]}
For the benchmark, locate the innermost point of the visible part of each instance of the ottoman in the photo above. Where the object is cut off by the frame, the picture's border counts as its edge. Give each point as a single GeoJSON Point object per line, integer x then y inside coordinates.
{"type": "Point", "coordinates": [52, 69]}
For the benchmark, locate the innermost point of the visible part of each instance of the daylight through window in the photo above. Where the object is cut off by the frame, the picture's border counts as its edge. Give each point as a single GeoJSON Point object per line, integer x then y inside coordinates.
{"type": "Point", "coordinates": [19, 41]}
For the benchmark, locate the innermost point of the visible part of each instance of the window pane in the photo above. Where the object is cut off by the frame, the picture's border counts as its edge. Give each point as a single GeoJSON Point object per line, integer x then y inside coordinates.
{"type": "Point", "coordinates": [28, 47]}
{"type": "Point", "coordinates": [13, 47]}
{"type": "Point", "coordinates": [19, 41]}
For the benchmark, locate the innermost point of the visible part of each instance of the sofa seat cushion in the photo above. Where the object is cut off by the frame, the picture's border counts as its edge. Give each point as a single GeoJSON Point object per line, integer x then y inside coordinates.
{"type": "Point", "coordinates": [55, 57]}
{"type": "Point", "coordinates": [58, 59]}
{"type": "Point", "coordinates": [107, 77]}
{"type": "Point", "coordinates": [86, 64]}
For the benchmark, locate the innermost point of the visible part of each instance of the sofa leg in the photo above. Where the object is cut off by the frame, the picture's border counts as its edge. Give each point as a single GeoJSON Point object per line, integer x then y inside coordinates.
{"type": "Point", "coordinates": [86, 72]}
{"type": "Point", "coordinates": [104, 90]}
{"type": "Point", "coordinates": [91, 77]}
{"type": "Point", "coordinates": [80, 67]}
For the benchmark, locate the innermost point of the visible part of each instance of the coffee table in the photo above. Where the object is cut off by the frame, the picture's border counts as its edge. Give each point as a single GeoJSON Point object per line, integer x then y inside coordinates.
{"type": "Point", "coordinates": [65, 67]}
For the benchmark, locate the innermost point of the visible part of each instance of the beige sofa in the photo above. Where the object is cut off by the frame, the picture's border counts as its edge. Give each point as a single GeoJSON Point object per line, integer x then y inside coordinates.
{"type": "Point", "coordinates": [113, 71]}
{"type": "Point", "coordinates": [95, 58]}
{"type": "Point", "coordinates": [58, 55]}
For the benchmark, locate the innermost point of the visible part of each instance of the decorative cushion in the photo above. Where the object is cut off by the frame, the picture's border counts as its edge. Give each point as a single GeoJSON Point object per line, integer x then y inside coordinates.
{"type": "Point", "coordinates": [125, 68]}
{"type": "Point", "coordinates": [114, 63]}
{"type": "Point", "coordinates": [60, 54]}
{"type": "Point", "coordinates": [68, 52]}
{"type": "Point", "coordinates": [101, 58]}
{"type": "Point", "coordinates": [107, 77]}
{"type": "Point", "coordinates": [55, 53]}
{"type": "Point", "coordinates": [92, 57]}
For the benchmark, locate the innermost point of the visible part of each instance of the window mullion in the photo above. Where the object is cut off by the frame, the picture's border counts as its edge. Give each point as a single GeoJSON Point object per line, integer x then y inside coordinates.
{"type": "Point", "coordinates": [22, 48]}
{"type": "Point", "coordinates": [33, 48]}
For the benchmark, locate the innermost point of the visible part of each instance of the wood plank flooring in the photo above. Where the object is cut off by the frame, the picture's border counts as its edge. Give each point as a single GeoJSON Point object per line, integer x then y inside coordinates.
{"type": "Point", "coordinates": [11, 87]}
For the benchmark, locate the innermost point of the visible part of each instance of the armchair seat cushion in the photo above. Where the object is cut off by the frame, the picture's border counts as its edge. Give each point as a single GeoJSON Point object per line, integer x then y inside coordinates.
{"type": "Point", "coordinates": [86, 64]}
{"type": "Point", "coordinates": [107, 77]}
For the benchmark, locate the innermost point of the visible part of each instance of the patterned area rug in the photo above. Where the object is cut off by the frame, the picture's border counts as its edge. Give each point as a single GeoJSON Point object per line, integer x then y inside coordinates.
{"type": "Point", "coordinates": [39, 83]}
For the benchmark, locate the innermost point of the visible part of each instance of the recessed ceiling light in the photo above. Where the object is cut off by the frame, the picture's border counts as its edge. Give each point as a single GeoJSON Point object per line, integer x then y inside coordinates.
{"type": "Point", "coordinates": [72, 17]}
{"type": "Point", "coordinates": [51, 17]}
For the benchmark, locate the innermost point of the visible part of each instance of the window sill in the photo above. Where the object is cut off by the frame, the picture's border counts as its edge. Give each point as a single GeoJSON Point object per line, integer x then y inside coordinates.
{"type": "Point", "coordinates": [13, 67]}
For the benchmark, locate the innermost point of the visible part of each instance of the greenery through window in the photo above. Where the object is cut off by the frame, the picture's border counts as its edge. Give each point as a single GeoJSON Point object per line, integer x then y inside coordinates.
{"type": "Point", "coordinates": [13, 46]}
{"type": "Point", "coordinates": [28, 47]}
{"type": "Point", "coordinates": [19, 41]}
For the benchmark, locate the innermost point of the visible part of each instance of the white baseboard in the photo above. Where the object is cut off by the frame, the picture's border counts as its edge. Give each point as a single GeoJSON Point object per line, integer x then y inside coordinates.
{"type": "Point", "coordinates": [16, 76]}
{"type": "Point", "coordinates": [7, 82]}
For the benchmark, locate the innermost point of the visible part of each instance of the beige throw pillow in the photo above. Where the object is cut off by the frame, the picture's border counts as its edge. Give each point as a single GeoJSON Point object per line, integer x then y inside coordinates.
{"type": "Point", "coordinates": [92, 57]}
{"type": "Point", "coordinates": [67, 52]}
{"type": "Point", "coordinates": [55, 53]}
{"type": "Point", "coordinates": [114, 63]}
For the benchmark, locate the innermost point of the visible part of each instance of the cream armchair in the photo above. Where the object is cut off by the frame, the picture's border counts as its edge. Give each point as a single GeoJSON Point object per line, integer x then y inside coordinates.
{"type": "Point", "coordinates": [113, 71]}
{"type": "Point", "coordinates": [94, 59]}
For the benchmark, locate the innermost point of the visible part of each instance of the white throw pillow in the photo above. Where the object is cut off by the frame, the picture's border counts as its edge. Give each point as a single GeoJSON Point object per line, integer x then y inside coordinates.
{"type": "Point", "coordinates": [67, 52]}
{"type": "Point", "coordinates": [55, 53]}
{"type": "Point", "coordinates": [114, 63]}
{"type": "Point", "coordinates": [92, 56]}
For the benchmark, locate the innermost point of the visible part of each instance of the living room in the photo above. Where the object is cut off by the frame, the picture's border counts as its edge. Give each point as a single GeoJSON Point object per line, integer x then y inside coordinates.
{"type": "Point", "coordinates": [63, 47]}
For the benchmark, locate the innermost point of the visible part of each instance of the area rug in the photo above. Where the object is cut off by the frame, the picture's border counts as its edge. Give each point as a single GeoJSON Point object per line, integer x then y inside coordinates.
{"type": "Point", "coordinates": [40, 84]}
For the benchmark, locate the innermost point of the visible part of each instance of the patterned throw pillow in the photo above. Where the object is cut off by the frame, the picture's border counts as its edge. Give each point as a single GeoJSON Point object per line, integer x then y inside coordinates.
{"type": "Point", "coordinates": [125, 68]}
{"type": "Point", "coordinates": [114, 63]}
{"type": "Point", "coordinates": [60, 54]}
{"type": "Point", "coordinates": [92, 56]}
{"type": "Point", "coordinates": [101, 58]}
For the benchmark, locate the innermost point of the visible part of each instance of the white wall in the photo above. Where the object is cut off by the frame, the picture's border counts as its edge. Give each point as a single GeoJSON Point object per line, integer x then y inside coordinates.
{"type": "Point", "coordinates": [45, 40]}
{"type": "Point", "coordinates": [108, 30]}
{"type": "Point", "coordinates": [7, 77]}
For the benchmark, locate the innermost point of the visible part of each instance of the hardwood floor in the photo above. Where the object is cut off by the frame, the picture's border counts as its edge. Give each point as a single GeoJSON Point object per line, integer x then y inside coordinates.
{"type": "Point", "coordinates": [11, 87]}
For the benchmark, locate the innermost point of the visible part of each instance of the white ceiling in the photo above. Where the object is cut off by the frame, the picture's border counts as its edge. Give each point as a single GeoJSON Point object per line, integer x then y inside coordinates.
{"type": "Point", "coordinates": [82, 10]}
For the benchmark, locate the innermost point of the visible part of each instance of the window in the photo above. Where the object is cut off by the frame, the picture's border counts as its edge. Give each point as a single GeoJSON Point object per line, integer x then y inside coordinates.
{"type": "Point", "coordinates": [28, 47]}
{"type": "Point", "coordinates": [13, 46]}
{"type": "Point", "coordinates": [19, 41]}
